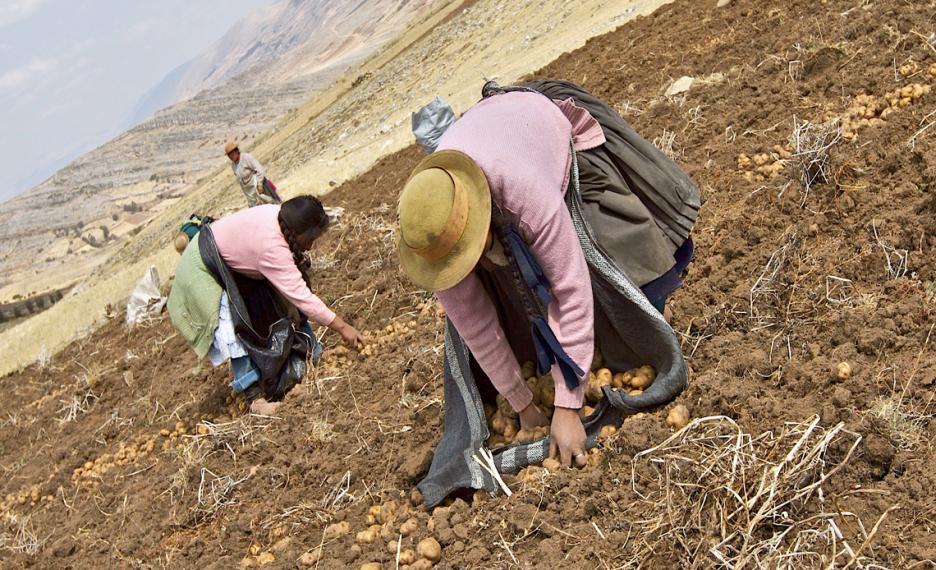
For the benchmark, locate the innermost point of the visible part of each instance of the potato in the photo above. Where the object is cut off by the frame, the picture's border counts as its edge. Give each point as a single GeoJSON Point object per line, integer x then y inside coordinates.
{"type": "Point", "coordinates": [620, 380]}
{"type": "Point", "coordinates": [371, 566]}
{"type": "Point", "coordinates": [510, 430]}
{"type": "Point", "coordinates": [281, 544]}
{"type": "Point", "coordinates": [607, 431]}
{"type": "Point", "coordinates": [337, 530]}
{"type": "Point", "coordinates": [409, 527]}
{"type": "Point", "coordinates": [528, 370]}
{"type": "Point", "coordinates": [496, 440]}
{"type": "Point", "coordinates": [430, 549]}
{"type": "Point", "coordinates": [421, 564]}
{"type": "Point", "coordinates": [529, 474]}
{"type": "Point", "coordinates": [678, 417]}
{"type": "Point", "coordinates": [634, 392]}
{"type": "Point", "coordinates": [310, 558]}
{"type": "Point", "coordinates": [547, 395]}
{"type": "Point", "coordinates": [387, 512]}
{"type": "Point", "coordinates": [533, 385]}
{"type": "Point", "coordinates": [368, 536]}
{"type": "Point", "coordinates": [524, 436]}
{"type": "Point", "coordinates": [498, 423]}
{"type": "Point", "coordinates": [551, 464]}
{"type": "Point", "coordinates": [595, 382]}
{"type": "Point", "coordinates": [594, 458]}
{"type": "Point", "coordinates": [407, 557]}
{"type": "Point", "coordinates": [265, 558]}
{"type": "Point", "coordinates": [843, 371]}
{"type": "Point", "coordinates": [387, 533]}
{"type": "Point", "coordinates": [586, 411]}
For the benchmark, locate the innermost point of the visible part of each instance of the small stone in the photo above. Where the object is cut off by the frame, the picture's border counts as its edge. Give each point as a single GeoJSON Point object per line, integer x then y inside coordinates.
{"type": "Point", "coordinates": [681, 85]}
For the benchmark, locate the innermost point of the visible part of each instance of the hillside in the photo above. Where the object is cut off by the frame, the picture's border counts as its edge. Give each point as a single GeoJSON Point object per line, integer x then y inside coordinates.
{"type": "Point", "coordinates": [120, 450]}
{"type": "Point", "coordinates": [268, 64]}
{"type": "Point", "coordinates": [337, 134]}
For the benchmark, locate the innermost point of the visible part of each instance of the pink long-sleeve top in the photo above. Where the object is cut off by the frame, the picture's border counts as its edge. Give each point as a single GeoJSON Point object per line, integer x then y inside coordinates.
{"type": "Point", "coordinates": [250, 242]}
{"type": "Point", "coordinates": [522, 143]}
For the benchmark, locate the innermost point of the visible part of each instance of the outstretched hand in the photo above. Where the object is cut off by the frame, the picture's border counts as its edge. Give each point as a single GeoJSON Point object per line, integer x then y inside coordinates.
{"type": "Point", "coordinates": [351, 337]}
{"type": "Point", "coordinates": [567, 438]}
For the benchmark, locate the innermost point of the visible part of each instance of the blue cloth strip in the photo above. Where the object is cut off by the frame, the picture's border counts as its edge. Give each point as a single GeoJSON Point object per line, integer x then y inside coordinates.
{"type": "Point", "coordinates": [548, 348]}
{"type": "Point", "coordinates": [530, 269]}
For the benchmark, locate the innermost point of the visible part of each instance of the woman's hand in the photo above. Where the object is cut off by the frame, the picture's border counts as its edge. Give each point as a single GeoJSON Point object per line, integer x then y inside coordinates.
{"type": "Point", "coordinates": [351, 337]}
{"type": "Point", "coordinates": [567, 437]}
{"type": "Point", "coordinates": [531, 417]}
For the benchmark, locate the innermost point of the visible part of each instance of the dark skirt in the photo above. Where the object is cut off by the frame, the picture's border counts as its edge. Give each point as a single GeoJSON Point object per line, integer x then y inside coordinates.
{"type": "Point", "coordinates": [639, 203]}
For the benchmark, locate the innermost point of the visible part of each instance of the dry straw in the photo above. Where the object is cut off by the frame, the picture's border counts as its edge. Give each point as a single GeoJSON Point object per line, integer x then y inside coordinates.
{"type": "Point", "coordinates": [712, 495]}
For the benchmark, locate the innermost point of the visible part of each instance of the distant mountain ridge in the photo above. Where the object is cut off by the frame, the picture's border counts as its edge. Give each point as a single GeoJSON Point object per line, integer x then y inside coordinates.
{"type": "Point", "coordinates": [283, 42]}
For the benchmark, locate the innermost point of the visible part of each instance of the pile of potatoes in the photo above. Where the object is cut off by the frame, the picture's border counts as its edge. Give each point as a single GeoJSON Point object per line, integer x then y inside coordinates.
{"type": "Point", "coordinates": [870, 110]}
{"type": "Point", "coordinates": [392, 334]}
{"type": "Point", "coordinates": [504, 425]}
{"type": "Point", "coordinates": [129, 453]}
{"type": "Point", "coordinates": [389, 526]}
{"type": "Point", "coordinates": [764, 165]}
{"type": "Point", "coordinates": [911, 68]}
{"type": "Point", "coordinates": [236, 404]}
{"type": "Point", "coordinates": [31, 495]}
{"type": "Point", "coordinates": [633, 381]}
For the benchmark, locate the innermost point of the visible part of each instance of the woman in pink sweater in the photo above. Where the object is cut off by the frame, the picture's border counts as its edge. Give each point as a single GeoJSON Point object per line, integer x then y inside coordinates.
{"type": "Point", "coordinates": [266, 243]}
{"type": "Point", "coordinates": [485, 212]}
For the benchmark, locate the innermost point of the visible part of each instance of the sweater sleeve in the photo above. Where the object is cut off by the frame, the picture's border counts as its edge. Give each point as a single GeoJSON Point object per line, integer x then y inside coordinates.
{"type": "Point", "coordinates": [471, 311]}
{"type": "Point", "coordinates": [571, 313]}
{"type": "Point", "coordinates": [278, 267]}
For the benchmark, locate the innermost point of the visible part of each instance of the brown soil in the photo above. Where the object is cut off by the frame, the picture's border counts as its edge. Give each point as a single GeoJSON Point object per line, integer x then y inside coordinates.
{"type": "Point", "coordinates": [162, 490]}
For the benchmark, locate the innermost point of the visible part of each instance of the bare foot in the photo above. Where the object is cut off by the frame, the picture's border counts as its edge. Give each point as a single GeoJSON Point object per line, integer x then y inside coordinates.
{"type": "Point", "coordinates": [261, 407]}
{"type": "Point", "coordinates": [531, 417]}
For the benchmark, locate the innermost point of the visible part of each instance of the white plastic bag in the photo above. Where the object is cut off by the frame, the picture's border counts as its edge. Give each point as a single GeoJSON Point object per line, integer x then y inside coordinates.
{"type": "Point", "coordinates": [145, 301]}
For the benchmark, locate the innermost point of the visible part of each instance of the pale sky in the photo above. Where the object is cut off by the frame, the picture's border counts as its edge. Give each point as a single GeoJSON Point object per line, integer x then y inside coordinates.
{"type": "Point", "coordinates": [72, 71]}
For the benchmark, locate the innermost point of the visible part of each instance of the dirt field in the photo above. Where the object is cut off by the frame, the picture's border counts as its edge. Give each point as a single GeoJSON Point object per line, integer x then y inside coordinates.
{"type": "Point", "coordinates": [121, 451]}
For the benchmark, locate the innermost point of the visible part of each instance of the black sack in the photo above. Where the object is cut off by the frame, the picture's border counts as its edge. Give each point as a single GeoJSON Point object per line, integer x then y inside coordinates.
{"type": "Point", "coordinates": [282, 353]}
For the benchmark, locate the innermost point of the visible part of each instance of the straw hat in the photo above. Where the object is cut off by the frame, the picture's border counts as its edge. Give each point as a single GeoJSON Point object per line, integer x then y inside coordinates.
{"type": "Point", "coordinates": [445, 214]}
{"type": "Point", "coordinates": [231, 145]}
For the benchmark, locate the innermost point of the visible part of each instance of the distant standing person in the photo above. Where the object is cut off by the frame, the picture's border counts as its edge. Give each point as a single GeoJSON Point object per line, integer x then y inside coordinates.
{"type": "Point", "coordinates": [249, 172]}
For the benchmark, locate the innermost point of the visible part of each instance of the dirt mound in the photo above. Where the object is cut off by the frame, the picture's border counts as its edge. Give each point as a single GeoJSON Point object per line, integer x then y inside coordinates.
{"type": "Point", "coordinates": [806, 318]}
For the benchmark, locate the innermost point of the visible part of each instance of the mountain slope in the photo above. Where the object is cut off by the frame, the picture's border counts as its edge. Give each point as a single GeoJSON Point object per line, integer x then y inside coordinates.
{"type": "Point", "coordinates": [284, 42]}
{"type": "Point", "coordinates": [265, 66]}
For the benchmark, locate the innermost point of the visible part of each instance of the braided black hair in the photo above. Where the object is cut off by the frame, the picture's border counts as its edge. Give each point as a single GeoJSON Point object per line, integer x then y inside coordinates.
{"type": "Point", "coordinates": [302, 218]}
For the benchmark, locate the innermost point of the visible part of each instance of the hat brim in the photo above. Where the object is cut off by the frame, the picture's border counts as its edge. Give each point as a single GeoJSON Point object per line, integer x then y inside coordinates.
{"type": "Point", "coordinates": [448, 271]}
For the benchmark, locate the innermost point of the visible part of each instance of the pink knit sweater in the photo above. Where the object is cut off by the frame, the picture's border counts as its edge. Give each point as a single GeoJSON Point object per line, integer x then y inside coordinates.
{"type": "Point", "coordinates": [250, 242]}
{"type": "Point", "coordinates": [521, 142]}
